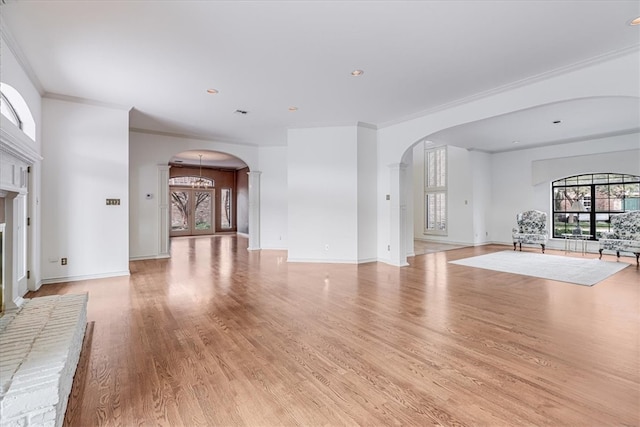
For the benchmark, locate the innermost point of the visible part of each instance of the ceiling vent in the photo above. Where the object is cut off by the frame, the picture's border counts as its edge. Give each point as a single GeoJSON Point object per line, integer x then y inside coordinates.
{"type": "Point", "coordinates": [241, 112]}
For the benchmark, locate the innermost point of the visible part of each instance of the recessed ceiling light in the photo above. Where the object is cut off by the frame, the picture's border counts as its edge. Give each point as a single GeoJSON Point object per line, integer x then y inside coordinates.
{"type": "Point", "coordinates": [515, 142]}
{"type": "Point", "coordinates": [292, 109]}
{"type": "Point", "coordinates": [357, 73]}
{"type": "Point", "coordinates": [635, 21]}
{"type": "Point", "coordinates": [212, 91]}
{"type": "Point", "coordinates": [557, 122]}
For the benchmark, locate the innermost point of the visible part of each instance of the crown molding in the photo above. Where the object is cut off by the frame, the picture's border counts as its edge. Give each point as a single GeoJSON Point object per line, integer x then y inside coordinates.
{"type": "Point", "coordinates": [635, 48]}
{"type": "Point", "coordinates": [19, 55]}
{"type": "Point", "coordinates": [367, 125]}
{"type": "Point", "coordinates": [78, 100]}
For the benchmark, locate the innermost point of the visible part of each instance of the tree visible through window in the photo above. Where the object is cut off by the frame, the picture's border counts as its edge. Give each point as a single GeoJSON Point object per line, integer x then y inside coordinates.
{"type": "Point", "coordinates": [584, 203]}
{"type": "Point", "coordinates": [435, 191]}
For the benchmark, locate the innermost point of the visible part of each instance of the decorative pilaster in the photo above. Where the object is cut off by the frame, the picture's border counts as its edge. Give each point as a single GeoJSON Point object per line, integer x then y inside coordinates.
{"type": "Point", "coordinates": [254, 210]}
{"type": "Point", "coordinates": [164, 217]}
{"type": "Point", "coordinates": [398, 217]}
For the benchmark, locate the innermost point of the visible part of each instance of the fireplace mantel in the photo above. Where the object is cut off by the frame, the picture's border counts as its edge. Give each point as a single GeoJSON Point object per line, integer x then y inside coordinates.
{"type": "Point", "coordinates": [17, 154]}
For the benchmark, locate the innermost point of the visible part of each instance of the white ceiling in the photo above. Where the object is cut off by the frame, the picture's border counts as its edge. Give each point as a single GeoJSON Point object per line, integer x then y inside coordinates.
{"type": "Point", "coordinates": [160, 57]}
{"type": "Point", "coordinates": [579, 119]}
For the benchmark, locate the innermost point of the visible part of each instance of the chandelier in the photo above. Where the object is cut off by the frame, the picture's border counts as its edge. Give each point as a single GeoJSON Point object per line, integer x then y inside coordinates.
{"type": "Point", "coordinates": [200, 183]}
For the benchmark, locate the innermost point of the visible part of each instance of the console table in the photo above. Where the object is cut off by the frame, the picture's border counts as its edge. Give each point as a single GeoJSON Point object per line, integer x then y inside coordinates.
{"type": "Point", "coordinates": [582, 238]}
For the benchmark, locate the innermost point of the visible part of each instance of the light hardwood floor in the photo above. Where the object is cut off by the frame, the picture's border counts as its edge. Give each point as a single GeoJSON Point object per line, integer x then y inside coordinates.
{"type": "Point", "coordinates": [421, 247]}
{"type": "Point", "coordinates": [221, 336]}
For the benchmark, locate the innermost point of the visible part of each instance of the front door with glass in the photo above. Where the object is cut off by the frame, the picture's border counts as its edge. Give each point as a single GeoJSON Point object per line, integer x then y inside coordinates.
{"type": "Point", "coordinates": [191, 211]}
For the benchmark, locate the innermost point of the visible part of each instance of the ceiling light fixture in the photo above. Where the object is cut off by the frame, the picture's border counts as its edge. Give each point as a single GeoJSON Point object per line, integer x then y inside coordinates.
{"type": "Point", "coordinates": [212, 91]}
{"type": "Point", "coordinates": [357, 73]}
{"type": "Point", "coordinates": [292, 109]}
{"type": "Point", "coordinates": [515, 142]}
{"type": "Point", "coordinates": [635, 21]}
{"type": "Point", "coordinates": [200, 183]}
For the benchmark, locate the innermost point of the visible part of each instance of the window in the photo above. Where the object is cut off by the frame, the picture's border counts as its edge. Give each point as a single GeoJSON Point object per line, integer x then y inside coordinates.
{"type": "Point", "coordinates": [9, 112]}
{"type": "Point", "coordinates": [15, 109]}
{"type": "Point", "coordinates": [225, 208]}
{"type": "Point", "coordinates": [585, 203]}
{"type": "Point", "coordinates": [435, 191]}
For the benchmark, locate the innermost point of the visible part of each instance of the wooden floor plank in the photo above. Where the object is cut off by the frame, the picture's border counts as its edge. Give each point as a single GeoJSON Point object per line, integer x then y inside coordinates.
{"type": "Point", "coordinates": [218, 335]}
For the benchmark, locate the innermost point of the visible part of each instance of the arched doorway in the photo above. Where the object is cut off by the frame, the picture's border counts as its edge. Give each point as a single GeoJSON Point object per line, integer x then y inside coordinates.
{"type": "Point", "coordinates": [208, 193]}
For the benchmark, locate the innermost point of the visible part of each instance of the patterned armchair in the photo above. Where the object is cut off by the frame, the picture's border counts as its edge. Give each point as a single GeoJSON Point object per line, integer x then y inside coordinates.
{"type": "Point", "coordinates": [532, 229]}
{"type": "Point", "coordinates": [624, 235]}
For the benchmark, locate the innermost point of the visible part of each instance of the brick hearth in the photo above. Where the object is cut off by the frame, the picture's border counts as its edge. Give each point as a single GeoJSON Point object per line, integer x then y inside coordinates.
{"type": "Point", "coordinates": [40, 346]}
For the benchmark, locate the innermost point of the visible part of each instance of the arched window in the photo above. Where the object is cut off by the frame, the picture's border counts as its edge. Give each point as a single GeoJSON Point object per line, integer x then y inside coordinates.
{"type": "Point", "coordinates": [15, 109]}
{"type": "Point", "coordinates": [9, 112]}
{"type": "Point", "coordinates": [583, 204]}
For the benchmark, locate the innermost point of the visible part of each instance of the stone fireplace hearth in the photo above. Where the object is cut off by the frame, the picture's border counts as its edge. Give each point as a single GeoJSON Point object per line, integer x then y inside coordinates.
{"type": "Point", "coordinates": [41, 344]}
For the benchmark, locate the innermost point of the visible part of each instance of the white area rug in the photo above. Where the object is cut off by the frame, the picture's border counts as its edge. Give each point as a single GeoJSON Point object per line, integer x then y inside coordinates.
{"type": "Point", "coordinates": [585, 272]}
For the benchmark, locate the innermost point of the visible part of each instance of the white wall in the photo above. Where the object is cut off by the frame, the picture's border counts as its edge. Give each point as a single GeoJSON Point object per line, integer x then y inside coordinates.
{"type": "Point", "coordinates": [147, 151]}
{"type": "Point", "coordinates": [460, 196]}
{"type": "Point", "coordinates": [323, 194]}
{"type": "Point", "coordinates": [513, 190]}
{"type": "Point", "coordinates": [482, 195]}
{"type": "Point", "coordinates": [86, 160]}
{"type": "Point", "coordinates": [367, 152]}
{"type": "Point", "coordinates": [273, 198]}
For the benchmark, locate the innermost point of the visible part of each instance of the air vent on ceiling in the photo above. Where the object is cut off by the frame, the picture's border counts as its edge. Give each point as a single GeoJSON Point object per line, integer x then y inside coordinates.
{"type": "Point", "coordinates": [241, 112]}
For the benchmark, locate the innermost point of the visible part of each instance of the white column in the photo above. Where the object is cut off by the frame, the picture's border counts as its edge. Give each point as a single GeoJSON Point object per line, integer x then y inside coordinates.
{"type": "Point", "coordinates": [34, 235]}
{"type": "Point", "coordinates": [254, 210]}
{"type": "Point", "coordinates": [398, 252]}
{"type": "Point", "coordinates": [407, 188]}
{"type": "Point", "coordinates": [164, 218]}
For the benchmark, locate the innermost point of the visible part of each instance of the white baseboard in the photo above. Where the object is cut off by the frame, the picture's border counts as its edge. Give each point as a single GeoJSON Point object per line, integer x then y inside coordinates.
{"type": "Point", "coordinates": [389, 262]}
{"type": "Point", "coordinates": [447, 242]}
{"type": "Point", "coordinates": [85, 277]}
{"type": "Point", "coordinates": [144, 257]}
{"type": "Point", "coordinates": [326, 261]}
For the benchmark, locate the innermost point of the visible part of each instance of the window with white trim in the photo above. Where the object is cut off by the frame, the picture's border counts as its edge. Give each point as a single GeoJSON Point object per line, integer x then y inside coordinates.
{"type": "Point", "coordinates": [435, 190]}
{"type": "Point", "coordinates": [583, 204]}
{"type": "Point", "coordinates": [7, 110]}
{"type": "Point", "coordinates": [15, 109]}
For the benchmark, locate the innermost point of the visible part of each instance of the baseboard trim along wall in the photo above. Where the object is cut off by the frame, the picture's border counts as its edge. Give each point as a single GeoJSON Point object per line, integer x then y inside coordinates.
{"type": "Point", "coordinates": [85, 277]}
{"type": "Point", "coordinates": [146, 257]}
{"type": "Point", "coordinates": [332, 261]}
